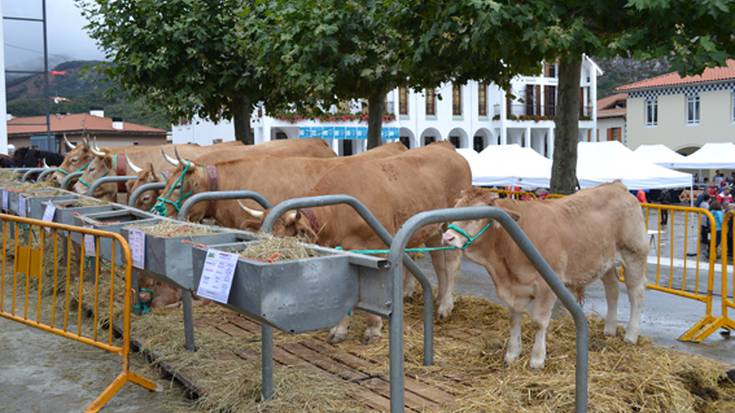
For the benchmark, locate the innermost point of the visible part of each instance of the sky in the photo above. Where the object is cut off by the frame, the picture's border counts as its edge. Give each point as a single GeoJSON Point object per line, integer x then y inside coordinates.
{"type": "Point", "coordinates": [67, 38]}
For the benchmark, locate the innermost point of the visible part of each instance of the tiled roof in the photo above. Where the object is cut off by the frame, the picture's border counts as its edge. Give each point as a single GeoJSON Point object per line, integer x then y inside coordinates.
{"type": "Point", "coordinates": [714, 74]}
{"type": "Point", "coordinates": [611, 113]}
{"type": "Point", "coordinates": [606, 107]}
{"type": "Point", "coordinates": [74, 122]}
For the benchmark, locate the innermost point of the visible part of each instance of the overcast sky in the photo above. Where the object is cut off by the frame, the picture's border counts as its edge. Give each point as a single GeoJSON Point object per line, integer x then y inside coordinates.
{"type": "Point", "coordinates": [67, 38]}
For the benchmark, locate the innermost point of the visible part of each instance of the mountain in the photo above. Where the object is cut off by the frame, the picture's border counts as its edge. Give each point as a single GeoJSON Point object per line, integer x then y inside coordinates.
{"type": "Point", "coordinates": [620, 71]}
{"type": "Point", "coordinates": [84, 87]}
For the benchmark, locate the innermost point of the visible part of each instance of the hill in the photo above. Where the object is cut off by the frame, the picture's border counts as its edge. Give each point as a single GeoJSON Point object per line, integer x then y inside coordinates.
{"type": "Point", "coordinates": [619, 71]}
{"type": "Point", "coordinates": [85, 88]}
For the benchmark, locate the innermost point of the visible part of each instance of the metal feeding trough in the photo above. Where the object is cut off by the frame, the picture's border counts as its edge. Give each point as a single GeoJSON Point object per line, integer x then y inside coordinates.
{"type": "Point", "coordinates": [37, 204]}
{"type": "Point", "coordinates": [297, 295]}
{"type": "Point", "coordinates": [112, 221]}
{"type": "Point", "coordinates": [15, 194]}
{"type": "Point", "coordinates": [169, 258]}
{"type": "Point", "coordinates": [67, 209]}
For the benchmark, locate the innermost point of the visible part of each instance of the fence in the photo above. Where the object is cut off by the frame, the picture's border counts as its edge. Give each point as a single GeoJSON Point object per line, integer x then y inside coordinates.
{"type": "Point", "coordinates": [728, 267]}
{"type": "Point", "coordinates": [514, 194]}
{"type": "Point", "coordinates": [48, 291]}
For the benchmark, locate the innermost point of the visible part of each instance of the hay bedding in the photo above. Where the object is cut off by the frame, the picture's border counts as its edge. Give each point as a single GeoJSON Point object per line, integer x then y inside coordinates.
{"type": "Point", "coordinates": [272, 249]}
{"type": "Point", "coordinates": [168, 229]}
{"type": "Point", "coordinates": [469, 351]}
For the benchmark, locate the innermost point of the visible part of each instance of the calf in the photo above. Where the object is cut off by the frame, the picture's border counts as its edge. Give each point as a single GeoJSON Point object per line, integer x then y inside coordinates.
{"type": "Point", "coordinates": [584, 237]}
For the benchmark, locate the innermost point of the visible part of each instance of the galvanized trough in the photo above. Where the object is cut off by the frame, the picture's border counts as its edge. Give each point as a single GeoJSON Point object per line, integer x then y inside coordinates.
{"type": "Point", "coordinates": [112, 221]}
{"type": "Point", "coordinates": [67, 209]}
{"type": "Point", "coordinates": [169, 258]}
{"type": "Point", "coordinates": [37, 204]}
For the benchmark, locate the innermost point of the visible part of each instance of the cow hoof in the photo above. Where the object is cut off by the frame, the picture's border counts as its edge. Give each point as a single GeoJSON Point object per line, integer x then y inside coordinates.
{"type": "Point", "coordinates": [631, 338]}
{"type": "Point", "coordinates": [445, 310]}
{"type": "Point", "coordinates": [536, 364]}
{"type": "Point", "coordinates": [336, 335]}
{"type": "Point", "coordinates": [371, 336]}
{"type": "Point", "coordinates": [610, 331]}
{"type": "Point", "coordinates": [511, 358]}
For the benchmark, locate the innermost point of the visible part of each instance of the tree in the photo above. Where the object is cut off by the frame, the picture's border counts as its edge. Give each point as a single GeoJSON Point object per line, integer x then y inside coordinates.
{"type": "Point", "coordinates": [334, 50]}
{"type": "Point", "coordinates": [187, 57]}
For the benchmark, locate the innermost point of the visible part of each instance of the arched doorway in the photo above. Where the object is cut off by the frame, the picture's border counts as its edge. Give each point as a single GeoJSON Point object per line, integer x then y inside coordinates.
{"type": "Point", "coordinates": [481, 139]}
{"type": "Point", "coordinates": [459, 138]}
{"type": "Point", "coordinates": [430, 135]}
{"type": "Point", "coordinates": [407, 138]}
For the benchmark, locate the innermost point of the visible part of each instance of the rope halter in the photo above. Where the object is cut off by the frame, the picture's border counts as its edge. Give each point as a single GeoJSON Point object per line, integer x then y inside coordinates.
{"type": "Point", "coordinates": [160, 207]}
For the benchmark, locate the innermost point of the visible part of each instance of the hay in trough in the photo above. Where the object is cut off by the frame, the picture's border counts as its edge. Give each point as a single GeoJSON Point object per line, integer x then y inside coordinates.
{"type": "Point", "coordinates": [8, 176]}
{"type": "Point", "coordinates": [81, 202]}
{"type": "Point", "coordinates": [469, 352]}
{"type": "Point", "coordinates": [168, 229]}
{"type": "Point", "coordinates": [272, 249]}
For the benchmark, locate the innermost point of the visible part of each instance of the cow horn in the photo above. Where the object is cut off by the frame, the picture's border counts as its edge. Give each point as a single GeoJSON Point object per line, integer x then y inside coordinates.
{"type": "Point", "coordinates": [95, 144]}
{"type": "Point", "coordinates": [132, 166]}
{"type": "Point", "coordinates": [45, 165]}
{"type": "Point", "coordinates": [169, 159]}
{"type": "Point", "coordinates": [96, 152]}
{"type": "Point", "coordinates": [178, 157]}
{"type": "Point", "coordinates": [69, 144]}
{"type": "Point", "coordinates": [86, 141]}
{"type": "Point", "coordinates": [253, 212]}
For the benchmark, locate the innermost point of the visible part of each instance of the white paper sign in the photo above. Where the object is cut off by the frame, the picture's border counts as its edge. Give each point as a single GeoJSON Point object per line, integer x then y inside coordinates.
{"type": "Point", "coordinates": [89, 246]}
{"type": "Point", "coordinates": [217, 275]}
{"type": "Point", "coordinates": [6, 203]}
{"type": "Point", "coordinates": [22, 208]}
{"type": "Point", "coordinates": [136, 239]}
{"type": "Point", "coordinates": [49, 212]}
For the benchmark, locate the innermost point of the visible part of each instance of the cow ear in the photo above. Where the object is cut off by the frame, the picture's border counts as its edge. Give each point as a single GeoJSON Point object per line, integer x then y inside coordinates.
{"type": "Point", "coordinates": [108, 161]}
{"type": "Point", "coordinates": [513, 214]}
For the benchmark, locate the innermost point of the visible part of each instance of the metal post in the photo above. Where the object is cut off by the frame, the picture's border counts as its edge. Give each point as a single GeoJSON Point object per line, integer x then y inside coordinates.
{"type": "Point", "coordinates": [108, 179]}
{"type": "Point", "coordinates": [44, 174]}
{"type": "Point", "coordinates": [31, 171]}
{"type": "Point", "coordinates": [153, 186]}
{"type": "Point", "coordinates": [45, 73]}
{"type": "Point", "coordinates": [267, 334]}
{"type": "Point", "coordinates": [384, 235]}
{"type": "Point", "coordinates": [266, 361]}
{"type": "Point", "coordinates": [519, 237]}
{"type": "Point", "coordinates": [66, 183]}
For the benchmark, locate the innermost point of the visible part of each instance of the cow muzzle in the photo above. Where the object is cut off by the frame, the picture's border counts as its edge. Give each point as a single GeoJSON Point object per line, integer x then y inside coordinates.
{"type": "Point", "coordinates": [450, 237]}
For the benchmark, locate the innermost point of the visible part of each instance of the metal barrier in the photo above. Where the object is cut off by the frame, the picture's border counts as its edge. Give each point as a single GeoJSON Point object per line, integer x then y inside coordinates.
{"type": "Point", "coordinates": [66, 183]}
{"type": "Point", "coordinates": [680, 281]}
{"type": "Point", "coordinates": [27, 175]}
{"type": "Point", "coordinates": [186, 298]}
{"type": "Point", "coordinates": [519, 195]}
{"type": "Point", "coordinates": [108, 179]}
{"type": "Point", "coordinates": [728, 295]}
{"type": "Point", "coordinates": [31, 241]}
{"type": "Point", "coordinates": [153, 186]}
{"type": "Point", "coordinates": [42, 176]}
{"type": "Point", "coordinates": [519, 237]}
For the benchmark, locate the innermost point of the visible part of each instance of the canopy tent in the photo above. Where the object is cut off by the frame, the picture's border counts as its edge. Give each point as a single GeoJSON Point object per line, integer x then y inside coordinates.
{"type": "Point", "coordinates": [659, 154]}
{"type": "Point", "coordinates": [709, 156]}
{"type": "Point", "coordinates": [600, 162]}
{"type": "Point", "coordinates": [502, 165]}
{"type": "Point", "coordinates": [472, 157]}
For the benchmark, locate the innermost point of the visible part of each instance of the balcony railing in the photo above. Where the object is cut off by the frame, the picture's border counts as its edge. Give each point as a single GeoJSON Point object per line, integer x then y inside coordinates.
{"type": "Point", "coordinates": [522, 111]}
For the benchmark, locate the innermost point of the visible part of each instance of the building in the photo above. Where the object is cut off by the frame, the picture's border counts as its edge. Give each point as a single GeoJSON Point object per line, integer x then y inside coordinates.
{"type": "Point", "coordinates": [682, 113]}
{"type": "Point", "coordinates": [3, 106]}
{"type": "Point", "coordinates": [473, 115]}
{"type": "Point", "coordinates": [611, 118]}
{"type": "Point", "coordinates": [110, 132]}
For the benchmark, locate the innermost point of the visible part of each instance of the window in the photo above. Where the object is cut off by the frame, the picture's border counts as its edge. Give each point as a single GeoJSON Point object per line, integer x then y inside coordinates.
{"type": "Point", "coordinates": [478, 143]}
{"type": "Point", "coordinates": [651, 112]}
{"type": "Point", "coordinates": [549, 69]}
{"type": "Point", "coordinates": [482, 99]}
{"type": "Point", "coordinates": [456, 99]}
{"type": "Point", "coordinates": [455, 141]}
{"type": "Point", "coordinates": [403, 101]}
{"type": "Point", "coordinates": [429, 140]}
{"type": "Point", "coordinates": [615, 134]}
{"type": "Point", "coordinates": [406, 141]}
{"type": "Point", "coordinates": [430, 102]}
{"type": "Point", "coordinates": [693, 110]}
{"type": "Point", "coordinates": [550, 100]}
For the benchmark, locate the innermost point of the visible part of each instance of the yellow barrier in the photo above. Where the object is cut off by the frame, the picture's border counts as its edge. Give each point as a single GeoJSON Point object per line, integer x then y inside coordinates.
{"type": "Point", "coordinates": [519, 195]}
{"type": "Point", "coordinates": [728, 296]}
{"type": "Point", "coordinates": [31, 240]}
{"type": "Point", "coordinates": [685, 287]}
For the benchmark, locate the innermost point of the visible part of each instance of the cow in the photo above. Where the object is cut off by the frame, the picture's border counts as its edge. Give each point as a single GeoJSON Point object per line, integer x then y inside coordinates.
{"type": "Point", "coordinates": [77, 158]}
{"type": "Point", "coordinates": [584, 237]}
{"type": "Point", "coordinates": [106, 163]}
{"type": "Point", "coordinates": [311, 148]}
{"type": "Point", "coordinates": [393, 189]}
{"type": "Point", "coordinates": [34, 158]}
{"type": "Point", "coordinates": [276, 178]}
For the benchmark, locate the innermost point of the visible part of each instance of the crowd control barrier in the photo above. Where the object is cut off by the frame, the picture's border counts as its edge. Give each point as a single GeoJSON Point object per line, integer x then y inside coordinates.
{"type": "Point", "coordinates": [43, 287]}
{"type": "Point", "coordinates": [725, 321]}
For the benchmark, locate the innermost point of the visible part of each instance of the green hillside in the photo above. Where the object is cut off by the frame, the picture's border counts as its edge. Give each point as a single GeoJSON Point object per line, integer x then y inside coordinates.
{"type": "Point", "coordinates": [85, 88]}
{"type": "Point", "coordinates": [621, 71]}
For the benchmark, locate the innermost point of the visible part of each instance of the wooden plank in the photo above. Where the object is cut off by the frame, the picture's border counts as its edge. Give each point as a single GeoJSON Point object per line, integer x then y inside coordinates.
{"type": "Point", "coordinates": [412, 401]}
{"type": "Point", "coordinates": [374, 401]}
{"type": "Point", "coordinates": [324, 362]}
{"type": "Point", "coordinates": [364, 365]}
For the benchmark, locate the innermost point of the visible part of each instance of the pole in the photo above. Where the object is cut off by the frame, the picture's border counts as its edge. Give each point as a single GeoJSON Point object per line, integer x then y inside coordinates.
{"type": "Point", "coordinates": [45, 78]}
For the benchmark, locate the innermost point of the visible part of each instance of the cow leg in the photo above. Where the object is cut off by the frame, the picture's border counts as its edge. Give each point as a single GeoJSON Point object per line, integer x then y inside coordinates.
{"type": "Point", "coordinates": [635, 282]}
{"type": "Point", "coordinates": [446, 265]}
{"type": "Point", "coordinates": [610, 280]}
{"type": "Point", "coordinates": [409, 284]}
{"type": "Point", "coordinates": [514, 344]}
{"type": "Point", "coordinates": [338, 333]}
{"type": "Point", "coordinates": [374, 330]}
{"type": "Point", "coordinates": [542, 306]}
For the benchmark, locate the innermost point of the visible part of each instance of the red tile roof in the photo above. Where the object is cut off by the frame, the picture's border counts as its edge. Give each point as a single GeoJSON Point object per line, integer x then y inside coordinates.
{"type": "Point", "coordinates": [607, 107]}
{"type": "Point", "coordinates": [714, 74]}
{"type": "Point", "coordinates": [74, 122]}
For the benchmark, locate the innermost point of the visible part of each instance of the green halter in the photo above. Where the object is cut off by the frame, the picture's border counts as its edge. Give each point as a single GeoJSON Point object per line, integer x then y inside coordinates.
{"type": "Point", "coordinates": [81, 168]}
{"type": "Point", "coordinates": [160, 207]}
{"type": "Point", "coordinates": [470, 239]}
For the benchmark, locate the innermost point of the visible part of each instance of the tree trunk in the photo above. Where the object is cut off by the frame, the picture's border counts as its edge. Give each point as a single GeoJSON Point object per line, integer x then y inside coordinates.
{"type": "Point", "coordinates": [241, 110]}
{"type": "Point", "coordinates": [564, 167]}
{"type": "Point", "coordinates": [375, 119]}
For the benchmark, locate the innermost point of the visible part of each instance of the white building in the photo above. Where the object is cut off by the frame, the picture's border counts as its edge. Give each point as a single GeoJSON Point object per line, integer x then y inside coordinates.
{"type": "Point", "coordinates": [473, 115]}
{"type": "Point", "coordinates": [611, 111]}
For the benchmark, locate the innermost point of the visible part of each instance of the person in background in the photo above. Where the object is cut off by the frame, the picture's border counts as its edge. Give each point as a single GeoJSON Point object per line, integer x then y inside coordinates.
{"type": "Point", "coordinates": [641, 196]}
{"type": "Point", "coordinates": [730, 228]}
{"type": "Point", "coordinates": [718, 178]}
{"type": "Point", "coordinates": [704, 227]}
{"type": "Point", "coordinates": [716, 210]}
{"type": "Point", "coordinates": [664, 199]}
{"type": "Point", "coordinates": [725, 196]}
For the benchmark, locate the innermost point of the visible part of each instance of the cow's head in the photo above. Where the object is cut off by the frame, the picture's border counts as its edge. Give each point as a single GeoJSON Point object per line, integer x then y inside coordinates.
{"type": "Point", "coordinates": [301, 223]}
{"type": "Point", "coordinates": [461, 233]}
{"type": "Point", "coordinates": [100, 165]}
{"type": "Point", "coordinates": [146, 175]}
{"type": "Point", "coordinates": [76, 159]}
{"type": "Point", "coordinates": [186, 180]}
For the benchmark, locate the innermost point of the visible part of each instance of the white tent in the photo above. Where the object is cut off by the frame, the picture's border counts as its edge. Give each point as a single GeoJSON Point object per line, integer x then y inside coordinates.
{"type": "Point", "coordinates": [710, 156]}
{"type": "Point", "coordinates": [472, 157]}
{"type": "Point", "coordinates": [501, 165]}
{"type": "Point", "coordinates": [659, 154]}
{"type": "Point", "coordinates": [600, 162]}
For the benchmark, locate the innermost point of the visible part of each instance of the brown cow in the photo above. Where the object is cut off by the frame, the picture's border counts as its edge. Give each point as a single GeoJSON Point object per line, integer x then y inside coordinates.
{"type": "Point", "coordinates": [310, 148]}
{"type": "Point", "coordinates": [584, 237]}
{"type": "Point", "coordinates": [393, 189]}
{"type": "Point", "coordinates": [275, 178]}
{"type": "Point", "coordinates": [107, 162]}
